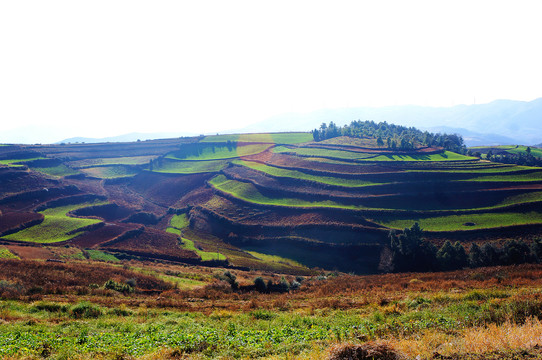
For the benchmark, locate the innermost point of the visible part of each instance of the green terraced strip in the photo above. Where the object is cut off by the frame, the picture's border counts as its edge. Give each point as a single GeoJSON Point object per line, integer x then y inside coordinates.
{"type": "Point", "coordinates": [15, 161]}
{"type": "Point", "coordinates": [55, 226]}
{"type": "Point", "coordinates": [101, 256]}
{"type": "Point", "coordinates": [179, 222]}
{"type": "Point", "coordinates": [339, 154]}
{"type": "Point", "coordinates": [110, 172]}
{"type": "Point", "coordinates": [445, 156]}
{"type": "Point", "coordinates": [189, 167]}
{"type": "Point", "coordinates": [276, 138]}
{"type": "Point", "coordinates": [57, 171]}
{"type": "Point", "coordinates": [523, 150]}
{"type": "Point", "coordinates": [274, 259]}
{"type": "Point", "coordinates": [6, 254]}
{"type": "Point", "coordinates": [219, 152]}
{"type": "Point", "coordinates": [284, 173]}
{"type": "Point", "coordinates": [456, 222]}
{"type": "Point", "coordinates": [126, 160]}
{"type": "Point", "coordinates": [493, 170]}
{"type": "Point", "coordinates": [248, 192]}
{"type": "Point", "coordinates": [535, 176]}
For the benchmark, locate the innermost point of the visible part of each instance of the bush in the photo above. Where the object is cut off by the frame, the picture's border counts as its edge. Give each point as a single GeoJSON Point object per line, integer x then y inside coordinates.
{"type": "Point", "coordinates": [85, 310]}
{"type": "Point", "coordinates": [123, 288]}
{"type": "Point", "coordinates": [367, 351]}
{"type": "Point", "coordinates": [231, 279]}
{"type": "Point", "coordinates": [259, 284]}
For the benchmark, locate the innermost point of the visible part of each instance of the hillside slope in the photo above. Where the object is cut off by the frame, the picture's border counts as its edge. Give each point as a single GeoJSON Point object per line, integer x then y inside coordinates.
{"type": "Point", "coordinates": [236, 199]}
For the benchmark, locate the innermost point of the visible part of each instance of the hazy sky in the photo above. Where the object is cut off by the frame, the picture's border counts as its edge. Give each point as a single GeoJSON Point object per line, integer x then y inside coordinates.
{"type": "Point", "coordinates": [99, 68]}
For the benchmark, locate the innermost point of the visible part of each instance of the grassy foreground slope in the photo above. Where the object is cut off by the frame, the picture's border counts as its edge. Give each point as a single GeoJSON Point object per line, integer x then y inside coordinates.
{"type": "Point", "coordinates": [138, 311]}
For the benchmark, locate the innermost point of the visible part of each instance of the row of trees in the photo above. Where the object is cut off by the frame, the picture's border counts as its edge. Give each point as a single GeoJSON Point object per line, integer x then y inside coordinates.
{"type": "Point", "coordinates": [526, 159]}
{"type": "Point", "coordinates": [410, 252]}
{"type": "Point", "coordinates": [391, 136]}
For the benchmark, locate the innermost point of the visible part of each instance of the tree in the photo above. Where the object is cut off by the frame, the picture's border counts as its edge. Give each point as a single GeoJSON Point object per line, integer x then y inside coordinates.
{"type": "Point", "coordinates": [379, 142]}
{"type": "Point", "coordinates": [475, 256]}
{"type": "Point", "coordinates": [410, 252]}
{"type": "Point", "coordinates": [259, 284]}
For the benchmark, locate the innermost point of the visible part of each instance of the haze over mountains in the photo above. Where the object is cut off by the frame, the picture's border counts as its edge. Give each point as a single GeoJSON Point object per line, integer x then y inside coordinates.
{"type": "Point", "coordinates": [499, 122]}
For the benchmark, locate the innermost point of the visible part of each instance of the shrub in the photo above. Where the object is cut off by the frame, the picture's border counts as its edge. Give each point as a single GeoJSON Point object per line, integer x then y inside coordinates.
{"type": "Point", "coordinates": [259, 284]}
{"type": "Point", "coordinates": [367, 351]}
{"type": "Point", "coordinates": [231, 279]}
{"type": "Point", "coordinates": [85, 310]}
{"type": "Point", "coordinates": [123, 288]}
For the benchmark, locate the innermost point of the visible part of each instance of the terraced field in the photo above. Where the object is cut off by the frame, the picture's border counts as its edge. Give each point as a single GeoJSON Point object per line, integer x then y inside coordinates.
{"type": "Point", "coordinates": [57, 226]}
{"type": "Point", "coordinates": [267, 201]}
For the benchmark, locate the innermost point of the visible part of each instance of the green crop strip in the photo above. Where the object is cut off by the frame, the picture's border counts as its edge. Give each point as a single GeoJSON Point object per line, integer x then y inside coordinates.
{"type": "Point", "coordinates": [179, 222]}
{"type": "Point", "coordinates": [535, 176]}
{"type": "Point", "coordinates": [101, 256]}
{"type": "Point", "coordinates": [6, 254]}
{"type": "Point", "coordinates": [279, 172]}
{"type": "Point", "coordinates": [339, 154]}
{"type": "Point", "coordinates": [189, 167]}
{"type": "Point", "coordinates": [248, 192]}
{"type": "Point", "coordinates": [110, 172]}
{"type": "Point", "coordinates": [445, 156]}
{"type": "Point", "coordinates": [274, 258]}
{"type": "Point", "coordinates": [56, 171]}
{"type": "Point", "coordinates": [55, 226]}
{"type": "Point", "coordinates": [476, 221]}
{"type": "Point", "coordinates": [212, 152]}
{"type": "Point", "coordinates": [14, 162]}
{"type": "Point", "coordinates": [126, 160]}
{"type": "Point", "coordinates": [523, 150]}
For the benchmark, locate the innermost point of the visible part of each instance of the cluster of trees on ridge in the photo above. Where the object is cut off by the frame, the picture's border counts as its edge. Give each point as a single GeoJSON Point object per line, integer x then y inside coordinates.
{"type": "Point", "coordinates": [410, 252]}
{"type": "Point", "coordinates": [526, 159]}
{"type": "Point", "coordinates": [391, 136]}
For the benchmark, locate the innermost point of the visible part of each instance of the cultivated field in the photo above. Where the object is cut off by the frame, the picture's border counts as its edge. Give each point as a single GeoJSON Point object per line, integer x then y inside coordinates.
{"type": "Point", "coordinates": [261, 200]}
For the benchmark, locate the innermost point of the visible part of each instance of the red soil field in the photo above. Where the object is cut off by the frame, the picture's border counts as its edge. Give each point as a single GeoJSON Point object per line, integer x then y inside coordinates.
{"type": "Point", "coordinates": [154, 244]}
{"type": "Point", "coordinates": [166, 189]}
{"type": "Point", "coordinates": [18, 220]}
{"type": "Point", "coordinates": [322, 168]}
{"type": "Point", "coordinates": [102, 235]}
{"type": "Point", "coordinates": [31, 252]}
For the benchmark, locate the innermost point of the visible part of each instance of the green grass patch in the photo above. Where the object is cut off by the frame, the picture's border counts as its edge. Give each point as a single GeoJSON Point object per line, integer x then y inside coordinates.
{"type": "Point", "coordinates": [6, 254]}
{"type": "Point", "coordinates": [456, 222]}
{"type": "Point", "coordinates": [189, 167]}
{"type": "Point", "coordinates": [445, 156]}
{"type": "Point", "coordinates": [523, 150]}
{"type": "Point", "coordinates": [274, 259]}
{"type": "Point", "coordinates": [204, 255]}
{"type": "Point", "coordinates": [125, 160]}
{"type": "Point", "coordinates": [278, 172]}
{"type": "Point", "coordinates": [55, 171]}
{"type": "Point", "coordinates": [101, 256]}
{"type": "Point", "coordinates": [533, 176]}
{"type": "Point", "coordinates": [481, 170]}
{"type": "Point", "coordinates": [215, 152]}
{"type": "Point", "coordinates": [110, 172]}
{"type": "Point", "coordinates": [271, 138]}
{"type": "Point", "coordinates": [55, 226]}
{"type": "Point", "coordinates": [248, 192]}
{"type": "Point", "coordinates": [179, 221]}
{"type": "Point", "coordinates": [338, 154]}
{"type": "Point", "coordinates": [15, 162]}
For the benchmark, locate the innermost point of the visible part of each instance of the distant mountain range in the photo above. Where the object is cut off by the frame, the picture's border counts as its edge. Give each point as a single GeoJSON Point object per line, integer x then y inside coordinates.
{"type": "Point", "coordinates": [499, 122]}
{"type": "Point", "coordinates": [125, 138]}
